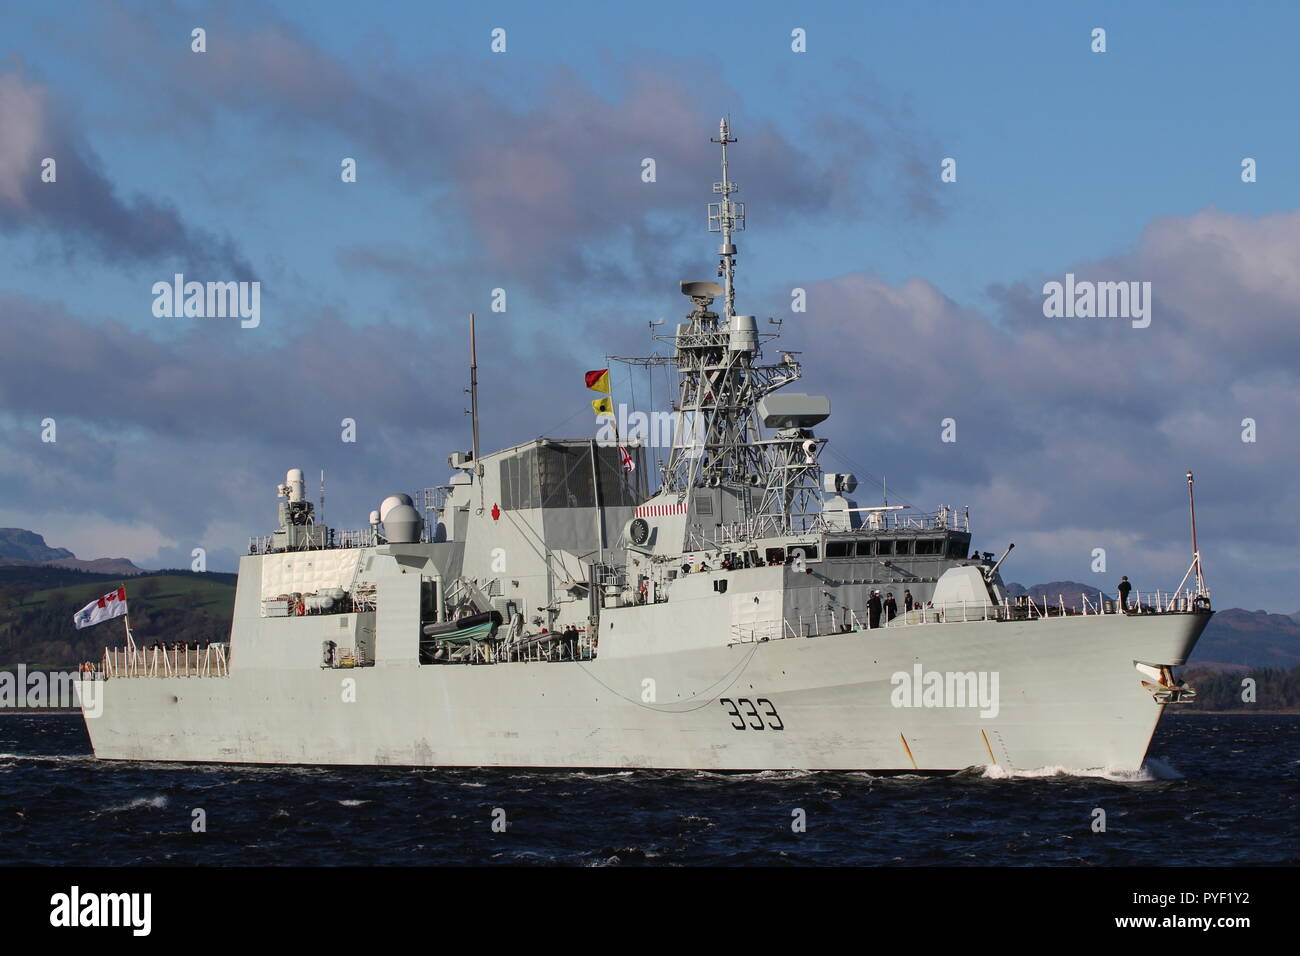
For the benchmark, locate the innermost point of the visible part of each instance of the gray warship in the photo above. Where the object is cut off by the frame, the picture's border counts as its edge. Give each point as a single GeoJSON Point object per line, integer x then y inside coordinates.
{"type": "Point", "coordinates": [547, 607]}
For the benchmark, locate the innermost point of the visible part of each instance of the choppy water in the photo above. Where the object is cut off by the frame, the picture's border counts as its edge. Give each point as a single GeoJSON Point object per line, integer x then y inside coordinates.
{"type": "Point", "coordinates": [1218, 790]}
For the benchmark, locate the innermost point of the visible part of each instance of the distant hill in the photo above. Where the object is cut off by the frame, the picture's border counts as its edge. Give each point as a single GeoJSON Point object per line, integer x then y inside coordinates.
{"type": "Point", "coordinates": [29, 546]}
{"type": "Point", "coordinates": [1069, 591]}
{"type": "Point", "coordinates": [1253, 638]}
{"type": "Point", "coordinates": [37, 604]}
{"type": "Point", "coordinates": [22, 548]}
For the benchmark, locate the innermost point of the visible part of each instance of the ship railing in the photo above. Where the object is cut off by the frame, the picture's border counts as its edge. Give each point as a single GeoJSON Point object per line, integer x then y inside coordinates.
{"type": "Point", "coordinates": [338, 538]}
{"type": "Point", "coordinates": [756, 632]}
{"type": "Point", "coordinates": [945, 519]}
{"type": "Point", "coordinates": [354, 538]}
{"type": "Point", "coordinates": [1025, 607]}
{"type": "Point", "coordinates": [526, 648]}
{"type": "Point", "coordinates": [1022, 608]}
{"type": "Point", "coordinates": [715, 537]}
{"type": "Point", "coordinates": [1159, 601]}
{"type": "Point", "coordinates": [174, 661]}
{"type": "Point", "coordinates": [741, 532]}
{"type": "Point", "coordinates": [817, 624]}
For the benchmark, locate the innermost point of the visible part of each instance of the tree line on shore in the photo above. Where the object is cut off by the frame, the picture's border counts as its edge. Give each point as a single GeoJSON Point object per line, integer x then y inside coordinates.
{"type": "Point", "coordinates": [1274, 688]}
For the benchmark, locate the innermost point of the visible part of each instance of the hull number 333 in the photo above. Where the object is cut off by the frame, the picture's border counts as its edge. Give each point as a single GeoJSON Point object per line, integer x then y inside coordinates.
{"type": "Point", "coordinates": [749, 714]}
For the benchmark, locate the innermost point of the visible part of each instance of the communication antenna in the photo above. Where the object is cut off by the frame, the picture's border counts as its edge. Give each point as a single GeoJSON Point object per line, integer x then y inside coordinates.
{"type": "Point", "coordinates": [726, 217]}
{"type": "Point", "coordinates": [1201, 590]}
{"type": "Point", "coordinates": [320, 515]}
{"type": "Point", "coordinates": [1196, 551]}
{"type": "Point", "coordinates": [473, 389]}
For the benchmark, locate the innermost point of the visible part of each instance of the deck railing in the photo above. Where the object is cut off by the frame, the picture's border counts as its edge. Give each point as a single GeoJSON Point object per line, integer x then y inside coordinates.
{"type": "Point", "coordinates": [1025, 608]}
{"type": "Point", "coordinates": [210, 661]}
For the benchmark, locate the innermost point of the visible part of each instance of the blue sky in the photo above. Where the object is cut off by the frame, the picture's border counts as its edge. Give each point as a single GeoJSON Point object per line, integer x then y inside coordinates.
{"type": "Point", "coordinates": [521, 170]}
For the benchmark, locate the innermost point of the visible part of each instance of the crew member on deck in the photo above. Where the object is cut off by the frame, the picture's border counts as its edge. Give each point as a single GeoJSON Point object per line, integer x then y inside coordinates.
{"type": "Point", "coordinates": [907, 599]}
{"type": "Point", "coordinates": [1124, 588]}
{"type": "Point", "coordinates": [873, 610]}
{"type": "Point", "coordinates": [891, 607]}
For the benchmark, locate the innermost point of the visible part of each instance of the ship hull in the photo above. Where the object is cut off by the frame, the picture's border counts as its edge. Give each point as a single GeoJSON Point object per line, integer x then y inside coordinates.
{"type": "Point", "coordinates": [1068, 695]}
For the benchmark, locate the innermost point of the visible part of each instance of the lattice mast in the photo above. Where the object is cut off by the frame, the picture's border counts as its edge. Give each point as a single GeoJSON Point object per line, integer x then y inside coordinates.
{"type": "Point", "coordinates": [722, 380]}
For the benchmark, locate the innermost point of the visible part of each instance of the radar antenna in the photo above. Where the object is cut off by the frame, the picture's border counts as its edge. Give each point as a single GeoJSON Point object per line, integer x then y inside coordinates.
{"type": "Point", "coordinates": [726, 217]}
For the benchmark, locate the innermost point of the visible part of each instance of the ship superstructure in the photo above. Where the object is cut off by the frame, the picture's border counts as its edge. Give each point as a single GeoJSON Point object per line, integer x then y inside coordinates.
{"type": "Point", "coordinates": [546, 607]}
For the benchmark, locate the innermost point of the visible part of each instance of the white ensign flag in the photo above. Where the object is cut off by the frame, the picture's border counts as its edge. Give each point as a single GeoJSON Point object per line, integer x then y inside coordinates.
{"type": "Point", "coordinates": [111, 605]}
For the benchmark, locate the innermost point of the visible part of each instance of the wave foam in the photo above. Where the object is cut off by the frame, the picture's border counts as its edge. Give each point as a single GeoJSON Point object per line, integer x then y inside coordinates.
{"type": "Point", "coordinates": [156, 803]}
{"type": "Point", "coordinates": [1153, 769]}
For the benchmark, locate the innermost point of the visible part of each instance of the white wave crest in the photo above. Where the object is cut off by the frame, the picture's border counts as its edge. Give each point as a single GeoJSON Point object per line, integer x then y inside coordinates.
{"type": "Point", "coordinates": [1153, 769]}
{"type": "Point", "coordinates": [156, 803]}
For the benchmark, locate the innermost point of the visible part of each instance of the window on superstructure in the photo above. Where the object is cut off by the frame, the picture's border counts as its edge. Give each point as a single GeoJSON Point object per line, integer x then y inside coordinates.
{"type": "Point", "coordinates": [564, 474]}
{"type": "Point", "coordinates": [839, 549]}
{"type": "Point", "coordinates": [884, 547]}
{"type": "Point", "coordinates": [865, 550]}
{"type": "Point", "coordinates": [618, 489]}
{"type": "Point", "coordinates": [518, 474]}
{"type": "Point", "coordinates": [903, 546]}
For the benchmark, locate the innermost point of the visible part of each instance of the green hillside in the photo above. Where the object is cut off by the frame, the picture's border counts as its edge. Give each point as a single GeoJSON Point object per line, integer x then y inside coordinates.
{"type": "Point", "coordinates": [37, 604]}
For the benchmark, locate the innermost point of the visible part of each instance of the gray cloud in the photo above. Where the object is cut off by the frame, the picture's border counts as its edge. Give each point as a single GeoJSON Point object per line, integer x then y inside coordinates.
{"type": "Point", "coordinates": [82, 210]}
{"type": "Point", "coordinates": [1086, 425]}
{"type": "Point", "coordinates": [544, 187]}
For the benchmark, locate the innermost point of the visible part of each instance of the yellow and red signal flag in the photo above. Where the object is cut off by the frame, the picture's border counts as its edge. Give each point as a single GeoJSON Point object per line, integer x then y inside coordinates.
{"type": "Point", "coordinates": [598, 381]}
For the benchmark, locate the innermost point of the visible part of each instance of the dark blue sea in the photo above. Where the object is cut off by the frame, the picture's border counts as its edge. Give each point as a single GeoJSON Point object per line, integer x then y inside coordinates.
{"type": "Point", "coordinates": [1218, 791]}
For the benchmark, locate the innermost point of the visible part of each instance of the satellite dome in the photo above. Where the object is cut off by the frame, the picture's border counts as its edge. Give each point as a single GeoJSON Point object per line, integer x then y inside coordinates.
{"type": "Point", "coordinates": [402, 525]}
{"type": "Point", "coordinates": [391, 502]}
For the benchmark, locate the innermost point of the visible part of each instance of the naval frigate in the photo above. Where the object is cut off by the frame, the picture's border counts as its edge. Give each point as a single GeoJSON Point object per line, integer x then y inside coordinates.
{"type": "Point", "coordinates": [547, 608]}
